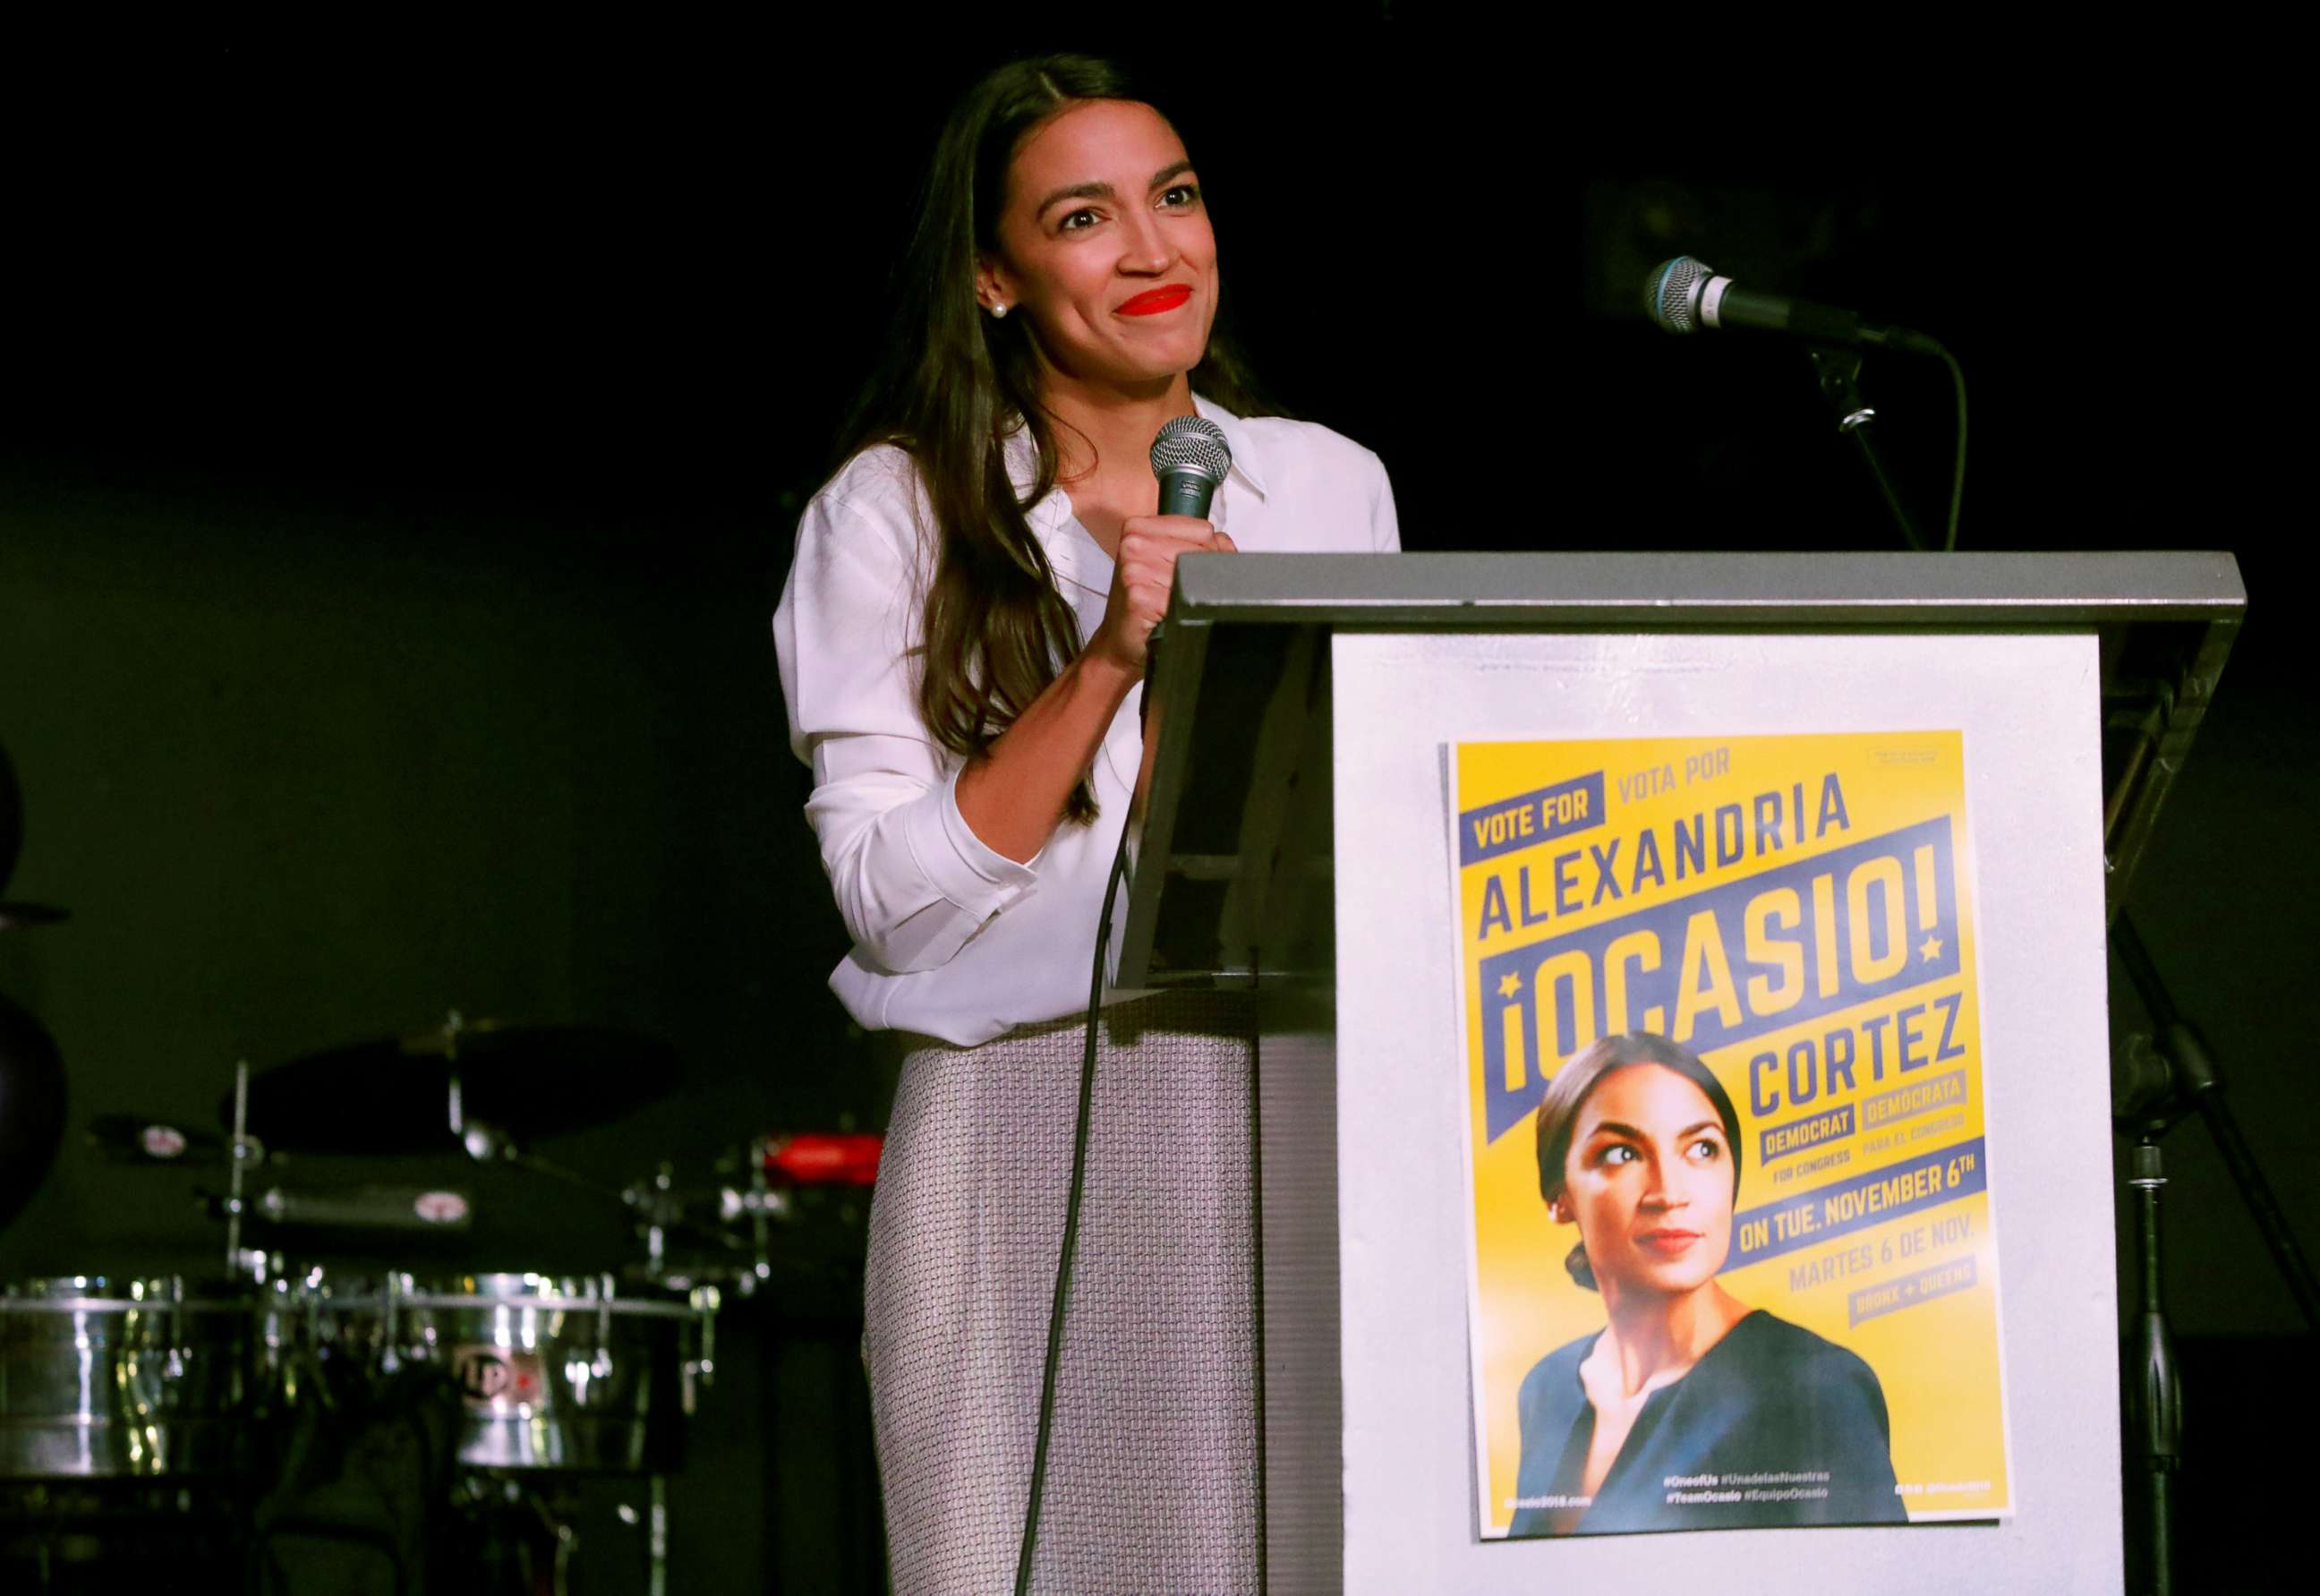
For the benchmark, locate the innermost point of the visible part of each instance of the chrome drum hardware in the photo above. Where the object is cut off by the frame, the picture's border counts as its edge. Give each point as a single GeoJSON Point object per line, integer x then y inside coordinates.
{"type": "Point", "coordinates": [112, 1378]}
{"type": "Point", "coordinates": [556, 1373]}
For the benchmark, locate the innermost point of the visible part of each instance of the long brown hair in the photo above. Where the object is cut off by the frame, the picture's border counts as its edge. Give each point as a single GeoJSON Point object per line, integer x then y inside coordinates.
{"type": "Point", "coordinates": [955, 383]}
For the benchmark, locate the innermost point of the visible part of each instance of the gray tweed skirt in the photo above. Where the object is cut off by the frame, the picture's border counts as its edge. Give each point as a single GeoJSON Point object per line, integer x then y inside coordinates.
{"type": "Point", "coordinates": [1151, 1484]}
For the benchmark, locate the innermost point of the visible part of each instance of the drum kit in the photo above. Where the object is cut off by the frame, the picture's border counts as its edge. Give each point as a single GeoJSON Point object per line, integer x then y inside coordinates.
{"type": "Point", "coordinates": [250, 1418]}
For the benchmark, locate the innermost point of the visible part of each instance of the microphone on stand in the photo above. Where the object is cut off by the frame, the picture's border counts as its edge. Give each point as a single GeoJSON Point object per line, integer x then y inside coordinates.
{"type": "Point", "coordinates": [1685, 295]}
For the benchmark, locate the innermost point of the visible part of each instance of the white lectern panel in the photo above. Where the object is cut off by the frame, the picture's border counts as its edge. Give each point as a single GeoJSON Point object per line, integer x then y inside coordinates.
{"type": "Point", "coordinates": [2027, 708]}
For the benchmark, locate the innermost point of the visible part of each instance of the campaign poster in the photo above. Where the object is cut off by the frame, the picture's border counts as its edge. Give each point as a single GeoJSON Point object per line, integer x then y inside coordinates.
{"type": "Point", "coordinates": [1732, 1258]}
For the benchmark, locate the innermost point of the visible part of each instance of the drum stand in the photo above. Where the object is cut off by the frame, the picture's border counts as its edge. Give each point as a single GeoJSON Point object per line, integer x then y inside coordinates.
{"type": "Point", "coordinates": [657, 1538]}
{"type": "Point", "coordinates": [244, 1153]}
{"type": "Point", "coordinates": [526, 1540]}
{"type": "Point", "coordinates": [2155, 1087]}
{"type": "Point", "coordinates": [523, 1539]}
{"type": "Point", "coordinates": [68, 1536]}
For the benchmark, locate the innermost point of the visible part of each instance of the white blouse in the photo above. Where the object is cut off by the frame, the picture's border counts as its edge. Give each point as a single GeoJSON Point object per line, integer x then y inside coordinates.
{"type": "Point", "coordinates": [951, 938]}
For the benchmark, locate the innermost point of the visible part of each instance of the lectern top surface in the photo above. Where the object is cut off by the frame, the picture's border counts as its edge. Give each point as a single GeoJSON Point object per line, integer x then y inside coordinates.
{"type": "Point", "coordinates": [1495, 591]}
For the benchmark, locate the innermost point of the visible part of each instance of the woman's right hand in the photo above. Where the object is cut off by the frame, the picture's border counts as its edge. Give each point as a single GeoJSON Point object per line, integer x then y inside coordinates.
{"type": "Point", "coordinates": [1142, 574]}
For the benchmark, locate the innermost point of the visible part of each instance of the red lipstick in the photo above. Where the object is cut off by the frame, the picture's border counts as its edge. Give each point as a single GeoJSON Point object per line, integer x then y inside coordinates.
{"type": "Point", "coordinates": [1668, 1243]}
{"type": "Point", "coordinates": [1152, 301]}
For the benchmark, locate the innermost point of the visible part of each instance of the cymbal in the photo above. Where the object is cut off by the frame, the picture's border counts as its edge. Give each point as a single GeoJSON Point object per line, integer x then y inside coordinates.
{"type": "Point", "coordinates": [393, 1096]}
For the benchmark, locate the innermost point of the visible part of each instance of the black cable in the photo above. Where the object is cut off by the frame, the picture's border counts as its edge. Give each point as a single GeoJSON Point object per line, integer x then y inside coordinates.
{"type": "Point", "coordinates": [1071, 1226]}
{"type": "Point", "coordinates": [1957, 474]}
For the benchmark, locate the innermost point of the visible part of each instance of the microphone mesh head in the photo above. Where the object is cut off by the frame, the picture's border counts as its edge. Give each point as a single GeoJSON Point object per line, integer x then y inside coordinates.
{"type": "Point", "coordinates": [1190, 443]}
{"type": "Point", "coordinates": [1672, 296]}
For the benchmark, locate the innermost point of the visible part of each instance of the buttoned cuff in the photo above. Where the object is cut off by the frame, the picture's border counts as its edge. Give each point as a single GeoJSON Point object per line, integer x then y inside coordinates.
{"type": "Point", "coordinates": [961, 867]}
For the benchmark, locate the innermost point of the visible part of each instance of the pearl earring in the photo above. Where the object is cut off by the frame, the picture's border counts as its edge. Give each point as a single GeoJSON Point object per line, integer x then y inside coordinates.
{"type": "Point", "coordinates": [998, 313]}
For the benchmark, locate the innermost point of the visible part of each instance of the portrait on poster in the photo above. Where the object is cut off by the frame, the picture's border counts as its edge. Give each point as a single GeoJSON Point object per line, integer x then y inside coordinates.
{"type": "Point", "coordinates": [1731, 1258]}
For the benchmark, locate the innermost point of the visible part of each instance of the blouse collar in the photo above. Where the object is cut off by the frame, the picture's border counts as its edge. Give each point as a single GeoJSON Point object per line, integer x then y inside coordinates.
{"type": "Point", "coordinates": [1023, 461]}
{"type": "Point", "coordinates": [1247, 463]}
{"type": "Point", "coordinates": [1075, 559]}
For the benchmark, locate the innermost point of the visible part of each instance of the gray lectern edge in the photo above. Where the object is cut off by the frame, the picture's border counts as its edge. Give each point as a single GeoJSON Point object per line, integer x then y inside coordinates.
{"type": "Point", "coordinates": [1232, 852]}
{"type": "Point", "coordinates": [1232, 882]}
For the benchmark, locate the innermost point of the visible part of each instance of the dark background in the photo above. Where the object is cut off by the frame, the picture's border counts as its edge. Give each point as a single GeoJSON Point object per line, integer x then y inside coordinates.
{"type": "Point", "coordinates": [400, 444]}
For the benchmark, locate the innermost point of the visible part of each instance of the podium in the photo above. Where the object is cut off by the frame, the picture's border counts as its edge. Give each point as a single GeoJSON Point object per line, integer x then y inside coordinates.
{"type": "Point", "coordinates": [1294, 834]}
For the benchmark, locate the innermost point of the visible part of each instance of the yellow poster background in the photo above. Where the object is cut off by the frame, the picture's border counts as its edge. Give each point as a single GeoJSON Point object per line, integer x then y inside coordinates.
{"type": "Point", "coordinates": [1937, 1359]}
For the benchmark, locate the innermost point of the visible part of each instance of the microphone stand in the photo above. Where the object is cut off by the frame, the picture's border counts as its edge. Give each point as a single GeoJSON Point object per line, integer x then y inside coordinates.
{"type": "Point", "coordinates": [1839, 370]}
{"type": "Point", "coordinates": [2156, 1083]}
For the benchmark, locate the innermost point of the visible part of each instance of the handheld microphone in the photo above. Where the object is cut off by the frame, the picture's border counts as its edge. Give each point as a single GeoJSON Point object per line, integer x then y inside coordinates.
{"type": "Point", "coordinates": [1684, 295]}
{"type": "Point", "coordinates": [1189, 457]}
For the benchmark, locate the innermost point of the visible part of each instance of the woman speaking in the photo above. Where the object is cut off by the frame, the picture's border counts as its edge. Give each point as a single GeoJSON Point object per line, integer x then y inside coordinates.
{"type": "Point", "coordinates": [1689, 1410]}
{"type": "Point", "coordinates": [961, 643]}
